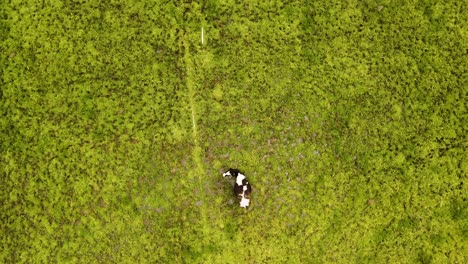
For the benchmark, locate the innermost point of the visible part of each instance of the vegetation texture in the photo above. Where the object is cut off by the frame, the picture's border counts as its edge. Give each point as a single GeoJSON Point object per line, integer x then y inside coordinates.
{"type": "Point", "coordinates": [348, 117]}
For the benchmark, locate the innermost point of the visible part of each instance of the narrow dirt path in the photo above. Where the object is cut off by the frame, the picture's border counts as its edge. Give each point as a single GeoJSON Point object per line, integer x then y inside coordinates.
{"type": "Point", "coordinates": [198, 171]}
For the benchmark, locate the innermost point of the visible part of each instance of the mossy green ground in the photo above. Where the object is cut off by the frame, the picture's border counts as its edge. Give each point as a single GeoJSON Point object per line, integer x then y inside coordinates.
{"type": "Point", "coordinates": [348, 117]}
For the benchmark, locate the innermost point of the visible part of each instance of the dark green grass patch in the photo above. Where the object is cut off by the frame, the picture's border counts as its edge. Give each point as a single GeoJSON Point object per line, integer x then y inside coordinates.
{"type": "Point", "coordinates": [348, 118]}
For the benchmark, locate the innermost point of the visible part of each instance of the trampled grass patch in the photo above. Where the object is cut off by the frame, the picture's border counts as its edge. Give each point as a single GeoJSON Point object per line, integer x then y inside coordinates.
{"type": "Point", "coordinates": [348, 118]}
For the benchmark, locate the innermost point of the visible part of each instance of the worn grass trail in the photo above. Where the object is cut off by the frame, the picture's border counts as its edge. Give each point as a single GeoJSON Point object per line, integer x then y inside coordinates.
{"type": "Point", "coordinates": [198, 170]}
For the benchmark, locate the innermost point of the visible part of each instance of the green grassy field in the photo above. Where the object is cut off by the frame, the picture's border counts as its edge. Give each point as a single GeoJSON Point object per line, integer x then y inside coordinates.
{"type": "Point", "coordinates": [348, 117]}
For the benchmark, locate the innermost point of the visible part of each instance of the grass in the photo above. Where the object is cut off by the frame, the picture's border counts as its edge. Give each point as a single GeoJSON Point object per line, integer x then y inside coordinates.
{"type": "Point", "coordinates": [348, 118]}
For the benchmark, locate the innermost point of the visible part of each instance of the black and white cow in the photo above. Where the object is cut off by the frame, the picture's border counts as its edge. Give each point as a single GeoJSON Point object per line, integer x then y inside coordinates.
{"type": "Point", "coordinates": [242, 188]}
